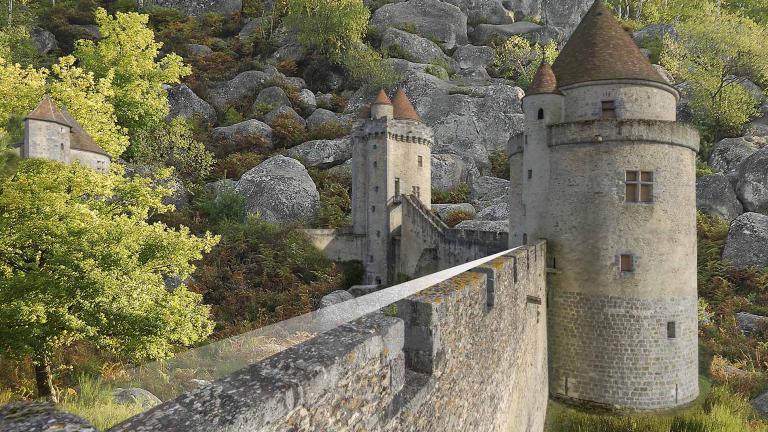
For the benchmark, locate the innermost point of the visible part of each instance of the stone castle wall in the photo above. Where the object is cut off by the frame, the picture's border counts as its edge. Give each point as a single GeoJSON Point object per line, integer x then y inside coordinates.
{"type": "Point", "coordinates": [438, 365]}
{"type": "Point", "coordinates": [337, 244]}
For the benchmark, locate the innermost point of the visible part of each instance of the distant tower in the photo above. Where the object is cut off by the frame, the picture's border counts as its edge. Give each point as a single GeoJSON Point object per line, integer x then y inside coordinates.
{"type": "Point", "coordinates": [52, 133]}
{"type": "Point", "coordinates": [607, 177]}
{"type": "Point", "coordinates": [390, 158]}
{"type": "Point", "coordinates": [46, 133]}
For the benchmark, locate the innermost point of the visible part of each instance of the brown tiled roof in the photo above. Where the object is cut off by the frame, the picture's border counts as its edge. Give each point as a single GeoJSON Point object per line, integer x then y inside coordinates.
{"type": "Point", "coordinates": [403, 109]}
{"type": "Point", "coordinates": [47, 110]}
{"type": "Point", "coordinates": [79, 139]}
{"type": "Point", "coordinates": [600, 49]}
{"type": "Point", "coordinates": [382, 98]}
{"type": "Point", "coordinates": [544, 81]}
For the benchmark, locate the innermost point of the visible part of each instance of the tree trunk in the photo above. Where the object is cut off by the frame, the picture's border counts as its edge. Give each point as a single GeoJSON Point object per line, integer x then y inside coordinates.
{"type": "Point", "coordinates": [44, 379]}
{"type": "Point", "coordinates": [10, 12]}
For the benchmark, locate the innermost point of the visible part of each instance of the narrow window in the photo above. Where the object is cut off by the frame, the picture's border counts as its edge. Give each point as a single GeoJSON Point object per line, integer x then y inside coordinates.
{"type": "Point", "coordinates": [397, 186]}
{"type": "Point", "coordinates": [638, 187]}
{"type": "Point", "coordinates": [378, 234]}
{"type": "Point", "coordinates": [374, 146]}
{"type": "Point", "coordinates": [375, 188]}
{"type": "Point", "coordinates": [525, 239]}
{"type": "Point", "coordinates": [370, 258]}
{"type": "Point", "coordinates": [416, 191]}
{"type": "Point", "coordinates": [530, 174]}
{"type": "Point", "coordinates": [541, 114]}
{"type": "Point", "coordinates": [378, 280]}
{"type": "Point", "coordinates": [421, 161]}
{"type": "Point", "coordinates": [609, 109]}
{"type": "Point", "coordinates": [671, 330]}
{"type": "Point", "coordinates": [375, 164]}
{"type": "Point", "coordinates": [626, 263]}
{"type": "Point", "coordinates": [373, 209]}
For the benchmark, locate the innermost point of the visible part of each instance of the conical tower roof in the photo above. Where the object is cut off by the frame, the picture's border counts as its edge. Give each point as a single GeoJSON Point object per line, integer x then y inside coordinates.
{"type": "Point", "coordinates": [382, 98]}
{"type": "Point", "coordinates": [403, 109]}
{"type": "Point", "coordinates": [47, 110]}
{"type": "Point", "coordinates": [544, 81]}
{"type": "Point", "coordinates": [600, 49]}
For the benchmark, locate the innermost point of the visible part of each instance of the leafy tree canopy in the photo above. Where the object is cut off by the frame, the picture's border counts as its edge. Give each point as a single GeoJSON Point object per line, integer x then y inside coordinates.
{"type": "Point", "coordinates": [328, 26]}
{"type": "Point", "coordinates": [78, 261]}
{"type": "Point", "coordinates": [714, 55]}
{"type": "Point", "coordinates": [128, 53]}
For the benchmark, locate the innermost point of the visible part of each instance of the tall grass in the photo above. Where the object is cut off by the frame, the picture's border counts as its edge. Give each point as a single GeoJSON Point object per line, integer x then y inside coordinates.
{"type": "Point", "coordinates": [722, 411]}
{"type": "Point", "coordinates": [92, 400]}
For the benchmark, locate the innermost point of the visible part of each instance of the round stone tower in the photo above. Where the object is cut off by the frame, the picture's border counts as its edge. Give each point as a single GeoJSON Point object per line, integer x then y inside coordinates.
{"type": "Point", "coordinates": [391, 153]}
{"type": "Point", "coordinates": [609, 182]}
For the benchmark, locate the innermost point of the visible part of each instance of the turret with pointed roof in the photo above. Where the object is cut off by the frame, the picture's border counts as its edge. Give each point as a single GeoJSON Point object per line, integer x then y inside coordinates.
{"type": "Point", "coordinates": [403, 109]}
{"type": "Point", "coordinates": [600, 49]}
{"type": "Point", "coordinates": [382, 106]}
{"type": "Point", "coordinates": [544, 81]}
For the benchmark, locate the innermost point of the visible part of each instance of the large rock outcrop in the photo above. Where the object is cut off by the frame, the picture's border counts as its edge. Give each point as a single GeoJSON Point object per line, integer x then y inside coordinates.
{"type": "Point", "coordinates": [752, 188]}
{"type": "Point", "coordinates": [481, 225]}
{"type": "Point", "coordinates": [201, 7]}
{"type": "Point", "coordinates": [240, 90]}
{"type": "Point", "coordinates": [280, 190]}
{"type": "Point", "coordinates": [747, 243]}
{"type": "Point", "coordinates": [487, 191]}
{"type": "Point", "coordinates": [449, 171]}
{"type": "Point", "coordinates": [323, 154]}
{"type": "Point", "coordinates": [443, 210]}
{"type": "Point", "coordinates": [44, 41]}
{"type": "Point", "coordinates": [185, 103]}
{"type": "Point", "coordinates": [727, 154]}
{"type": "Point", "coordinates": [715, 196]}
{"type": "Point", "coordinates": [485, 33]}
{"type": "Point", "coordinates": [39, 417]}
{"type": "Point", "coordinates": [412, 47]}
{"type": "Point", "coordinates": [565, 14]}
{"type": "Point", "coordinates": [249, 133]}
{"type": "Point", "coordinates": [484, 11]}
{"type": "Point", "coordinates": [441, 22]}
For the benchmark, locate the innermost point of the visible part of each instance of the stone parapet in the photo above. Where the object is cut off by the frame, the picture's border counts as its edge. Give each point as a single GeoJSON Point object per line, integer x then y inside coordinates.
{"type": "Point", "coordinates": [623, 131]}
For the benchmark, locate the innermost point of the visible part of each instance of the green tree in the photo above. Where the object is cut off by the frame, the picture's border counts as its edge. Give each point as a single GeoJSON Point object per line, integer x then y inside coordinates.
{"type": "Point", "coordinates": [128, 53]}
{"type": "Point", "coordinates": [88, 100]}
{"type": "Point", "coordinates": [328, 26]}
{"type": "Point", "coordinates": [21, 88]}
{"type": "Point", "coordinates": [79, 262]}
{"type": "Point", "coordinates": [173, 145]}
{"type": "Point", "coordinates": [16, 46]}
{"type": "Point", "coordinates": [514, 60]}
{"type": "Point", "coordinates": [714, 55]}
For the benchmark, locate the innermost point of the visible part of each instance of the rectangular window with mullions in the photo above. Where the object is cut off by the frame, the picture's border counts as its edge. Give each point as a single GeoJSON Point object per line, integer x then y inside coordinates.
{"type": "Point", "coordinates": [638, 187]}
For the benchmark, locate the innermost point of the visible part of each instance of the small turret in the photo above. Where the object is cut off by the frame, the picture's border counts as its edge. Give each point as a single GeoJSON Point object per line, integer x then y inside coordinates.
{"type": "Point", "coordinates": [403, 109]}
{"type": "Point", "coordinates": [382, 107]}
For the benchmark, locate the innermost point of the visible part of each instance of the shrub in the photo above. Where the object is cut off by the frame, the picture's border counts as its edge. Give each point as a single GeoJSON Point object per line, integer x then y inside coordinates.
{"type": "Point", "coordinates": [457, 195]}
{"type": "Point", "coordinates": [365, 68]}
{"type": "Point", "coordinates": [455, 217]}
{"type": "Point", "coordinates": [231, 116]}
{"type": "Point", "coordinates": [287, 67]}
{"type": "Point", "coordinates": [236, 164]}
{"type": "Point", "coordinates": [335, 202]}
{"type": "Point", "coordinates": [263, 273]}
{"type": "Point", "coordinates": [518, 60]}
{"type": "Point", "coordinates": [327, 26]}
{"type": "Point", "coordinates": [499, 164]}
{"type": "Point", "coordinates": [287, 132]}
{"type": "Point", "coordinates": [227, 206]}
{"type": "Point", "coordinates": [438, 72]}
{"type": "Point", "coordinates": [329, 130]}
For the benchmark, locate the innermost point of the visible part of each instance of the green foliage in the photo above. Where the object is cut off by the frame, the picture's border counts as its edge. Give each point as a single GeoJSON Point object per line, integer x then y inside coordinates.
{"type": "Point", "coordinates": [365, 68]}
{"type": "Point", "coordinates": [438, 71]}
{"type": "Point", "coordinates": [16, 46]}
{"type": "Point", "coordinates": [456, 217]}
{"type": "Point", "coordinates": [78, 261]}
{"type": "Point", "coordinates": [231, 116]}
{"type": "Point", "coordinates": [713, 54]}
{"type": "Point", "coordinates": [702, 169]}
{"type": "Point", "coordinates": [335, 202]}
{"type": "Point", "coordinates": [228, 206]}
{"type": "Point", "coordinates": [236, 164]}
{"type": "Point", "coordinates": [499, 164]}
{"type": "Point", "coordinates": [94, 402]}
{"type": "Point", "coordinates": [262, 273]}
{"type": "Point", "coordinates": [172, 144]}
{"type": "Point", "coordinates": [330, 27]}
{"type": "Point", "coordinates": [518, 59]}
{"type": "Point", "coordinates": [128, 53]}
{"type": "Point", "coordinates": [287, 132]}
{"type": "Point", "coordinates": [457, 195]}
{"type": "Point", "coordinates": [21, 88]}
{"type": "Point", "coordinates": [329, 130]}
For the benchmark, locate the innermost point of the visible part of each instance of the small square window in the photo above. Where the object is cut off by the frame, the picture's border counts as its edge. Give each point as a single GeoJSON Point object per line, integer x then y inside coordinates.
{"type": "Point", "coordinates": [627, 263]}
{"type": "Point", "coordinates": [609, 109]}
{"type": "Point", "coordinates": [421, 161]}
{"type": "Point", "coordinates": [375, 188]}
{"type": "Point", "coordinates": [671, 330]}
{"type": "Point", "coordinates": [638, 187]}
